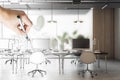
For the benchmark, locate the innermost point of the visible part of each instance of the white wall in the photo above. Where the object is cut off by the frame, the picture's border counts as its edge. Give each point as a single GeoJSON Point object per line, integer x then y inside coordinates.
{"type": "Point", "coordinates": [117, 33]}
{"type": "Point", "coordinates": [65, 23]}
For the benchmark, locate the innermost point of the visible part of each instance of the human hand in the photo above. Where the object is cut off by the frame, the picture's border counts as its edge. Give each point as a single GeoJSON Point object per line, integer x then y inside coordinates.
{"type": "Point", "coordinates": [9, 18]}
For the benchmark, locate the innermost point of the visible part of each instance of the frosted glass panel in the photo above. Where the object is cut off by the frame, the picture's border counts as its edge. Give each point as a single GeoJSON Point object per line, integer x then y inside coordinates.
{"type": "Point", "coordinates": [4, 43]}
{"type": "Point", "coordinates": [41, 43]}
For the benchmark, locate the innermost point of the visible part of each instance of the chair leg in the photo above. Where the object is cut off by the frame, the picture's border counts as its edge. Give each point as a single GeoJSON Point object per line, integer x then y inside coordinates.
{"type": "Point", "coordinates": [11, 61]}
{"type": "Point", "coordinates": [30, 72]}
{"type": "Point", "coordinates": [92, 73]}
{"type": "Point", "coordinates": [47, 61]}
{"type": "Point", "coordinates": [33, 73]}
{"type": "Point", "coordinates": [37, 70]}
{"type": "Point", "coordinates": [41, 72]}
{"type": "Point", "coordinates": [75, 61]}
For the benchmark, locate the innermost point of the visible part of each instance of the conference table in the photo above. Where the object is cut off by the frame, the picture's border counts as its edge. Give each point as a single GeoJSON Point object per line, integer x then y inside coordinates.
{"type": "Point", "coordinates": [61, 55]}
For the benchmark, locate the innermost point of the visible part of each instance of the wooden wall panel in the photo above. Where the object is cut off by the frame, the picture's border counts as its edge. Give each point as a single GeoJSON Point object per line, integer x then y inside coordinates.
{"type": "Point", "coordinates": [103, 30]}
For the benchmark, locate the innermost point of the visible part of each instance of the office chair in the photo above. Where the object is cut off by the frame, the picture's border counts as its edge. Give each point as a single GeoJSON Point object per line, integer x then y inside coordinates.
{"type": "Point", "coordinates": [11, 50]}
{"type": "Point", "coordinates": [37, 58]}
{"type": "Point", "coordinates": [76, 53]}
{"type": "Point", "coordinates": [88, 57]}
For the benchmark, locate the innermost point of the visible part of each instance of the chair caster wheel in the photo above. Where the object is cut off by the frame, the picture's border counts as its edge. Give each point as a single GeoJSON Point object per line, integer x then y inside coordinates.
{"type": "Point", "coordinates": [92, 76]}
{"type": "Point", "coordinates": [96, 74]}
{"type": "Point", "coordinates": [83, 76]}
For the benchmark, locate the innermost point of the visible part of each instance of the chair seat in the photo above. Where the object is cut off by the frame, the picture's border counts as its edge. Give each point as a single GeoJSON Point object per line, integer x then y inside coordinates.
{"type": "Point", "coordinates": [88, 57]}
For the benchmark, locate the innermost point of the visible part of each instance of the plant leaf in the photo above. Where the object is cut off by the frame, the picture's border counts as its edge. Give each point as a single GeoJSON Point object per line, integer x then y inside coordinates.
{"type": "Point", "coordinates": [59, 37]}
{"type": "Point", "coordinates": [75, 32]}
{"type": "Point", "coordinates": [65, 35]}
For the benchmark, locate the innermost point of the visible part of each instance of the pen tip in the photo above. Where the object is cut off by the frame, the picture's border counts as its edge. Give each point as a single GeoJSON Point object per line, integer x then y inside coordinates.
{"type": "Point", "coordinates": [18, 16]}
{"type": "Point", "coordinates": [27, 38]}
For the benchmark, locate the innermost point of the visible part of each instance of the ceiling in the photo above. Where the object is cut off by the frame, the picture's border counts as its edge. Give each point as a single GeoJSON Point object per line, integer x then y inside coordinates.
{"type": "Point", "coordinates": [59, 4]}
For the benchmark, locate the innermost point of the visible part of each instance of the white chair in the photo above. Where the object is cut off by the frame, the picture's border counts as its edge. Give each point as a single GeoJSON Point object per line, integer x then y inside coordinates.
{"type": "Point", "coordinates": [88, 57]}
{"type": "Point", "coordinates": [37, 58]}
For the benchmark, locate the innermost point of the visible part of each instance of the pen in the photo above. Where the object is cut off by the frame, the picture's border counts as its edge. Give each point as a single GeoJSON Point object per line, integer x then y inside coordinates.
{"type": "Point", "coordinates": [22, 27]}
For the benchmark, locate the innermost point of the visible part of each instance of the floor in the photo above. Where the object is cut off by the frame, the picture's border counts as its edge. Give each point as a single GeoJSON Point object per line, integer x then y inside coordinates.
{"type": "Point", "coordinates": [70, 71]}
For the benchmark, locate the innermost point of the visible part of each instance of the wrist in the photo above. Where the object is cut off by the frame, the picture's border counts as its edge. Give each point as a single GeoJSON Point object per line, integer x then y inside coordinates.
{"type": "Point", "coordinates": [3, 14]}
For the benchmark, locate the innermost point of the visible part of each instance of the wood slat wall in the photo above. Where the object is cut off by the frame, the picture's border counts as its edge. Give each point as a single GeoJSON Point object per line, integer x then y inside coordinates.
{"type": "Point", "coordinates": [103, 30]}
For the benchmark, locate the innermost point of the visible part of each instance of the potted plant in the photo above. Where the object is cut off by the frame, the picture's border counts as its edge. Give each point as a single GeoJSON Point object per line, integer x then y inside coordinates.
{"type": "Point", "coordinates": [63, 39]}
{"type": "Point", "coordinates": [66, 38]}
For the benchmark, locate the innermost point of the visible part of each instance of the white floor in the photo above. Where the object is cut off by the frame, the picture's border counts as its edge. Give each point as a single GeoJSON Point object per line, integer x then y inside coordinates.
{"type": "Point", "coordinates": [70, 71]}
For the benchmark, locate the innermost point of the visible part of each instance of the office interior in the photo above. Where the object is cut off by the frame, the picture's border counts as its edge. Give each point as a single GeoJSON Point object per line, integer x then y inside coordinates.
{"type": "Point", "coordinates": [55, 45]}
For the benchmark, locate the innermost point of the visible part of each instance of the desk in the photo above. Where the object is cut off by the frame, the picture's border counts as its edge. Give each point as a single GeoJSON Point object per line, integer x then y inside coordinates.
{"type": "Point", "coordinates": [98, 54]}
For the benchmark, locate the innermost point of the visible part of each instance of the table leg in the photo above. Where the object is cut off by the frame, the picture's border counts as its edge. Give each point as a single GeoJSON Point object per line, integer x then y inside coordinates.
{"type": "Point", "coordinates": [20, 61]}
{"type": "Point", "coordinates": [98, 61]}
{"type": "Point", "coordinates": [23, 61]}
{"type": "Point", "coordinates": [62, 65]}
{"type": "Point", "coordinates": [106, 63]}
{"type": "Point", "coordinates": [12, 64]}
{"type": "Point", "coordinates": [16, 64]}
{"type": "Point", "coordinates": [59, 65]}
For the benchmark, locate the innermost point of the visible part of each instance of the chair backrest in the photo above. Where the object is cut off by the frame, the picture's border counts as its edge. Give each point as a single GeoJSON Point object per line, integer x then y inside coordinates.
{"type": "Point", "coordinates": [37, 58]}
{"type": "Point", "coordinates": [87, 57]}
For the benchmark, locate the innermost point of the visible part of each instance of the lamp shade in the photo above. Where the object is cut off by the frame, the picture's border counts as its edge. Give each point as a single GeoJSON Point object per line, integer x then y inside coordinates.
{"type": "Point", "coordinates": [78, 21]}
{"type": "Point", "coordinates": [52, 21]}
{"type": "Point", "coordinates": [40, 23]}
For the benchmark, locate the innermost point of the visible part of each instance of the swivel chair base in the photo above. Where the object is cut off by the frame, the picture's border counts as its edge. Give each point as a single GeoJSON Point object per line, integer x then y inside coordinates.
{"type": "Point", "coordinates": [92, 73]}
{"type": "Point", "coordinates": [75, 61]}
{"type": "Point", "coordinates": [47, 61]}
{"type": "Point", "coordinates": [77, 54]}
{"type": "Point", "coordinates": [11, 61]}
{"type": "Point", "coordinates": [37, 70]}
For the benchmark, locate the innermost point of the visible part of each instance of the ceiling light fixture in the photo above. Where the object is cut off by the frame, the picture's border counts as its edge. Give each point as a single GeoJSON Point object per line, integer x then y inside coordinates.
{"type": "Point", "coordinates": [78, 20]}
{"type": "Point", "coordinates": [52, 21]}
{"type": "Point", "coordinates": [76, 1]}
{"type": "Point", "coordinates": [14, 1]}
{"type": "Point", "coordinates": [104, 6]}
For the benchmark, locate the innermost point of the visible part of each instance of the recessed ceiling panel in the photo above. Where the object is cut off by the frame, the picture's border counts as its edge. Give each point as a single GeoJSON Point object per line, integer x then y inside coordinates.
{"type": "Point", "coordinates": [59, 4]}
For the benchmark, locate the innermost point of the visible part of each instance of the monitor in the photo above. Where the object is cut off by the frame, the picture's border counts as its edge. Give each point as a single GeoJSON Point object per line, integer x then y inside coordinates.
{"type": "Point", "coordinates": [80, 43]}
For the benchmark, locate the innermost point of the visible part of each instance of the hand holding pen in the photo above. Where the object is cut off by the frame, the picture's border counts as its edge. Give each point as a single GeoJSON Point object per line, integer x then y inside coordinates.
{"type": "Point", "coordinates": [9, 18]}
{"type": "Point", "coordinates": [22, 27]}
{"type": "Point", "coordinates": [24, 30]}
